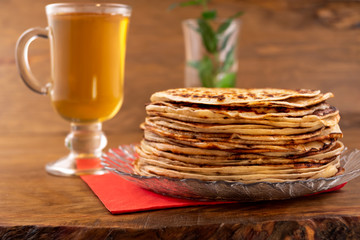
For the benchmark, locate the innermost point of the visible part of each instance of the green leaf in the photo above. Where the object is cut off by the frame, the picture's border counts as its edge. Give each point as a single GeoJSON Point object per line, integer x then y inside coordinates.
{"type": "Point", "coordinates": [208, 35]}
{"type": "Point", "coordinates": [238, 14]}
{"type": "Point", "coordinates": [205, 71]}
{"type": "Point", "coordinates": [225, 41]}
{"type": "Point", "coordinates": [194, 64]}
{"type": "Point", "coordinates": [227, 81]}
{"type": "Point", "coordinates": [209, 15]}
{"type": "Point", "coordinates": [222, 28]}
{"type": "Point", "coordinates": [229, 60]}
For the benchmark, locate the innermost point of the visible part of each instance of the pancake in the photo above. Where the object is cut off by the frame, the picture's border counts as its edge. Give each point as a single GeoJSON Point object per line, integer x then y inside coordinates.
{"type": "Point", "coordinates": [322, 156]}
{"type": "Point", "coordinates": [307, 121]}
{"type": "Point", "coordinates": [262, 176]}
{"type": "Point", "coordinates": [312, 113]}
{"type": "Point", "coordinates": [230, 96]}
{"type": "Point", "coordinates": [313, 145]}
{"type": "Point", "coordinates": [190, 150]}
{"type": "Point", "coordinates": [242, 135]}
{"type": "Point", "coordinates": [333, 132]}
{"type": "Point", "coordinates": [243, 97]}
{"type": "Point", "coordinates": [243, 129]}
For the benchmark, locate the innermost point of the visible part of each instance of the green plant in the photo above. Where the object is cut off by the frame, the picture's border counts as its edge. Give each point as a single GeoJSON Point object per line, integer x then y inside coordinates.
{"type": "Point", "coordinates": [211, 70]}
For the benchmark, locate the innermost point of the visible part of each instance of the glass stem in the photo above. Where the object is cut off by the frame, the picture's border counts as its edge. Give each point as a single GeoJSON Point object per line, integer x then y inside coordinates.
{"type": "Point", "coordinates": [86, 140]}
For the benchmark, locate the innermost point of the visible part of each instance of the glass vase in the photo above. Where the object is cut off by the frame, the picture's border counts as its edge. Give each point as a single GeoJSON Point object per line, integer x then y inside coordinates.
{"type": "Point", "coordinates": [210, 54]}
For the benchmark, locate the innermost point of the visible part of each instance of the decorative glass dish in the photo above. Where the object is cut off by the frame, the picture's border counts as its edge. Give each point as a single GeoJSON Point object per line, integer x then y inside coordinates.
{"type": "Point", "coordinates": [119, 161]}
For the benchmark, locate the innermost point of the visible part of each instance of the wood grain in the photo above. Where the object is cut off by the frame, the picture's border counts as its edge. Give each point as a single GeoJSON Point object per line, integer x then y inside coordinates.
{"type": "Point", "coordinates": [283, 44]}
{"type": "Point", "coordinates": [336, 228]}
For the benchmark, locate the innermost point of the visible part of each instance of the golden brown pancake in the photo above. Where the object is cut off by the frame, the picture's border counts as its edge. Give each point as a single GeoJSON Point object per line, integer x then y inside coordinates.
{"type": "Point", "coordinates": [246, 135]}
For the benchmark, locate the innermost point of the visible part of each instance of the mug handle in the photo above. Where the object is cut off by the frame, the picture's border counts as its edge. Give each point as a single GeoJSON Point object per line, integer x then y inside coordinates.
{"type": "Point", "coordinates": [22, 60]}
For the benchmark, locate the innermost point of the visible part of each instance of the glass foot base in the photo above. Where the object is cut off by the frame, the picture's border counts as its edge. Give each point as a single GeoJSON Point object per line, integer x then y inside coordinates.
{"type": "Point", "coordinates": [85, 142]}
{"type": "Point", "coordinates": [69, 166]}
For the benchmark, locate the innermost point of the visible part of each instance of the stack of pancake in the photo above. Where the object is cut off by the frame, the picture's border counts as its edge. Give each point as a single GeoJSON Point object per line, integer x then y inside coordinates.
{"type": "Point", "coordinates": [243, 135]}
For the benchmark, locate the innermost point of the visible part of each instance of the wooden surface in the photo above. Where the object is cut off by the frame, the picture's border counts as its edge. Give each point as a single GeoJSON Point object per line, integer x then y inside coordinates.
{"type": "Point", "coordinates": [290, 44]}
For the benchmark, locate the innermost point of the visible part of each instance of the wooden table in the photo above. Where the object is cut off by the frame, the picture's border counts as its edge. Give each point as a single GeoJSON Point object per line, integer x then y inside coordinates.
{"type": "Point", "coordinates": [283, 44]}
{"type": "Point", "coordinates": [35, 204]}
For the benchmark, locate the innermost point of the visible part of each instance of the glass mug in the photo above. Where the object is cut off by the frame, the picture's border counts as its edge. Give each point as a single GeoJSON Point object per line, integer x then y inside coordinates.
{"type": "Point", "coordinates": [87, 48]}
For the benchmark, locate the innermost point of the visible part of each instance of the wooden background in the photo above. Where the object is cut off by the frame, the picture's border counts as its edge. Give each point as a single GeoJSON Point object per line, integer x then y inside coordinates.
{"type": "Point", "coordinates": [284, 43]}
{"type": "Point", "coordinates": [289, 44]}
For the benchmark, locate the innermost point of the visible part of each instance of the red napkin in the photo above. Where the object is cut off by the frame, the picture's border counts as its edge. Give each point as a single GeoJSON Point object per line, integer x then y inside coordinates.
{"type": "Point", "coordinates": [121, 196]}
{"type": "Point", "coordinates": [330, 189]}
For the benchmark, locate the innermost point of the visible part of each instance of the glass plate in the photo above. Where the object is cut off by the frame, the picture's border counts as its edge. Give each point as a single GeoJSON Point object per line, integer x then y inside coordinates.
{"type": "Point", "coordinates": [119, 161]}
